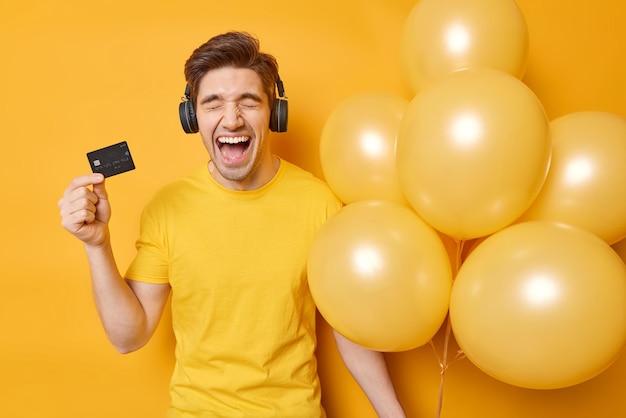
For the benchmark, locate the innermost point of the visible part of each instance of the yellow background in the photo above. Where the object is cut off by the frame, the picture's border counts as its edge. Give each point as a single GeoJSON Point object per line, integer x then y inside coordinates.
{"type": "Point", "coordinates": [76, 76]}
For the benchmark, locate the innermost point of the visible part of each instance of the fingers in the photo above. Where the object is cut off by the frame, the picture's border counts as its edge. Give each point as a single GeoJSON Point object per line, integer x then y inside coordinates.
{"type": "Point", "coordinates": [79, 201]}
{"type": "Point", "coordinates": [100, 190]}
{"type": "Point", "coordinates": [85, 209]}
{"type": "Point", "coordinates": [78, 204]}
{"type": "Point", "coordinates": [84, 181]}
{"type": "Point", "coordinates": [78, 189]}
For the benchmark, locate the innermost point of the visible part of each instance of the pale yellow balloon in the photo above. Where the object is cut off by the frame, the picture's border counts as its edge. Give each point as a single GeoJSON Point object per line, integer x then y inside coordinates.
{"type": "Point", "coordinates": [380, 276]}
{"type": "Point", "coordinates": [441, 36]}
{"type": "Point", "coordinates": [473, 152]}
{"type": "Point", "coordinates": [586, 184]}
{"type": "Point", "coordinates": [541, 305]}
{"type": "Point", "coordinates": [358, 144]}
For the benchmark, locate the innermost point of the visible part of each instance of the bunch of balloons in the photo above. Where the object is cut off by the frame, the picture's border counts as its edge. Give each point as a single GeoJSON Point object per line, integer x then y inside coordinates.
{"type": "Point", "coordinates": [540, 301]}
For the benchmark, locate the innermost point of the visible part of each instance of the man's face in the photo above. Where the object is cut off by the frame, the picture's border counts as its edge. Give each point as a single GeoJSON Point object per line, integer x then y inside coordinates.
{"type": "Point", "coordinates": [233, 119]}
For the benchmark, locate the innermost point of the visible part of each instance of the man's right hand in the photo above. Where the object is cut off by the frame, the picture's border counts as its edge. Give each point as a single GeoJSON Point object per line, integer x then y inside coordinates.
{"type": "Point", "coordinates": [86, 211]}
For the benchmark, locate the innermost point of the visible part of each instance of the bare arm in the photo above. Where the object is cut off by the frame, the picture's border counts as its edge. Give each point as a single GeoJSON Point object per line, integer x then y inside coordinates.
{"type": "Point", "coordinates": [129, 311]}
{"type": "Point", "coordinates": [369, 369]}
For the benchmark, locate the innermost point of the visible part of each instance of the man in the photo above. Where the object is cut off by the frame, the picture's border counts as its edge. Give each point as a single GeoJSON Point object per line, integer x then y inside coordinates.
{"type": "Point", "coordinates": [230, 241]}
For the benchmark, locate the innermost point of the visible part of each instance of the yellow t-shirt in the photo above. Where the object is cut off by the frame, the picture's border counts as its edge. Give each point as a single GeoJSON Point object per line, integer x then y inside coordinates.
{"type": "Point", "coordinates": [242, 313]}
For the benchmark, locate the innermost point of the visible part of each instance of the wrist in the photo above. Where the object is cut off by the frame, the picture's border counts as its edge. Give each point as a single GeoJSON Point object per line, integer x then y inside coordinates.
{"type": "Point", "coordinates": [98, 247]}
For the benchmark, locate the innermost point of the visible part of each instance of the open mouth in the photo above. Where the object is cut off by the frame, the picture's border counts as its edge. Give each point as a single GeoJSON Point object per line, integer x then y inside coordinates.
{"type": "Point", "coordinates": [233, 148]}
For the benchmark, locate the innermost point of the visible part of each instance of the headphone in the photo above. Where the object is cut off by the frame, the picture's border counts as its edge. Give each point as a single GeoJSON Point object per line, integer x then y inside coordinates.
{"type": "Point", "coordinates": [278, 115]}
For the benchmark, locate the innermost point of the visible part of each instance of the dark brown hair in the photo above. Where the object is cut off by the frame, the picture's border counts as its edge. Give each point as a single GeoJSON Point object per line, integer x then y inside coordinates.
{"type": "Point", "coordinates": [232, 49]}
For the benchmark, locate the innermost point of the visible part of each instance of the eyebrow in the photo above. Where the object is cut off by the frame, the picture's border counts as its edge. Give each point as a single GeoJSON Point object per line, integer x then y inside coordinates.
{"type": "Point", "coordinates": [213, 97]}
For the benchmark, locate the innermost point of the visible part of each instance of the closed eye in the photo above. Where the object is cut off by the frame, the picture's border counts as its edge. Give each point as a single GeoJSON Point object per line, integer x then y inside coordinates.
{"type": "Point", "coordinates": [249, 100]}
{"type": "Point", "coordinates": [212, 102]}
{"type": "Point", "coordinates": [245, 101]}
{"type": "Point", "coordinates": [246, 105]}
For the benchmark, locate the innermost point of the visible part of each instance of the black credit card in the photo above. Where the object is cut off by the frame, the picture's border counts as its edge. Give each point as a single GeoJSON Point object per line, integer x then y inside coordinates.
{"type": "Point", "coordinates": [111, 160]}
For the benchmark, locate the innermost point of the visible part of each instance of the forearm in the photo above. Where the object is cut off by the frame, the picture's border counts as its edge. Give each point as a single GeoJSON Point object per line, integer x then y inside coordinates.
{"type": "Point", "coordinates": [121, 313]}
{"type": "Point", "coordinates": [369, 369]}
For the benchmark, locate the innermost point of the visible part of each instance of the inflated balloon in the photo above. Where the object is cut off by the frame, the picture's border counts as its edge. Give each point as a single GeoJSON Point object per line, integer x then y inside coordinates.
{"type": "Point", "coordinates": [357, 147]}
{"type": "Point", "coordinates": [586, 185]}
{"type": "Point", "coordinates": [473, 152]}
{"type": "Point", "coordinates": [380, 276]}
{"type": "Point", "coordinates": [441, 36]}
{"type": "Point", "coordinates": [541, 305]}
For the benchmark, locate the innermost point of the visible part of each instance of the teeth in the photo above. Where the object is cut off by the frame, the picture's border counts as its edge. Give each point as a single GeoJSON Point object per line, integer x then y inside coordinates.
{"type": "Point", "coordinates": [232, 140]}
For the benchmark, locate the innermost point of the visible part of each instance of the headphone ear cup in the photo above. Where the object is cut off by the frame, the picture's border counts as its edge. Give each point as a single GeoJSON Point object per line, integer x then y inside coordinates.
{"type": "Point", "coordinates": [187, 116]}
{"type": "Point", "coordinates": [279, 116]}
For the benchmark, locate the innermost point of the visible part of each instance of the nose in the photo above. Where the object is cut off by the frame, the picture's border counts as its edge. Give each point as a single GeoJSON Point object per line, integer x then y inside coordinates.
{"type": "Point", "coordinates": [232, 117]}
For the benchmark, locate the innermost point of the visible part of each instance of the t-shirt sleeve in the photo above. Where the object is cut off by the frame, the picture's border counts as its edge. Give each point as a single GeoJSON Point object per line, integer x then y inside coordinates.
{"type": "Point", "coordinates": [150, 264]}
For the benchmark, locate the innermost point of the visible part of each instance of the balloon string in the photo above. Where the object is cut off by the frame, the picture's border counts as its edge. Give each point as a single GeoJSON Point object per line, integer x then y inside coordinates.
{"type": "Point", "coordinates": [444, 366]}
{"type": "Point", "coordinates": [443, 362]}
